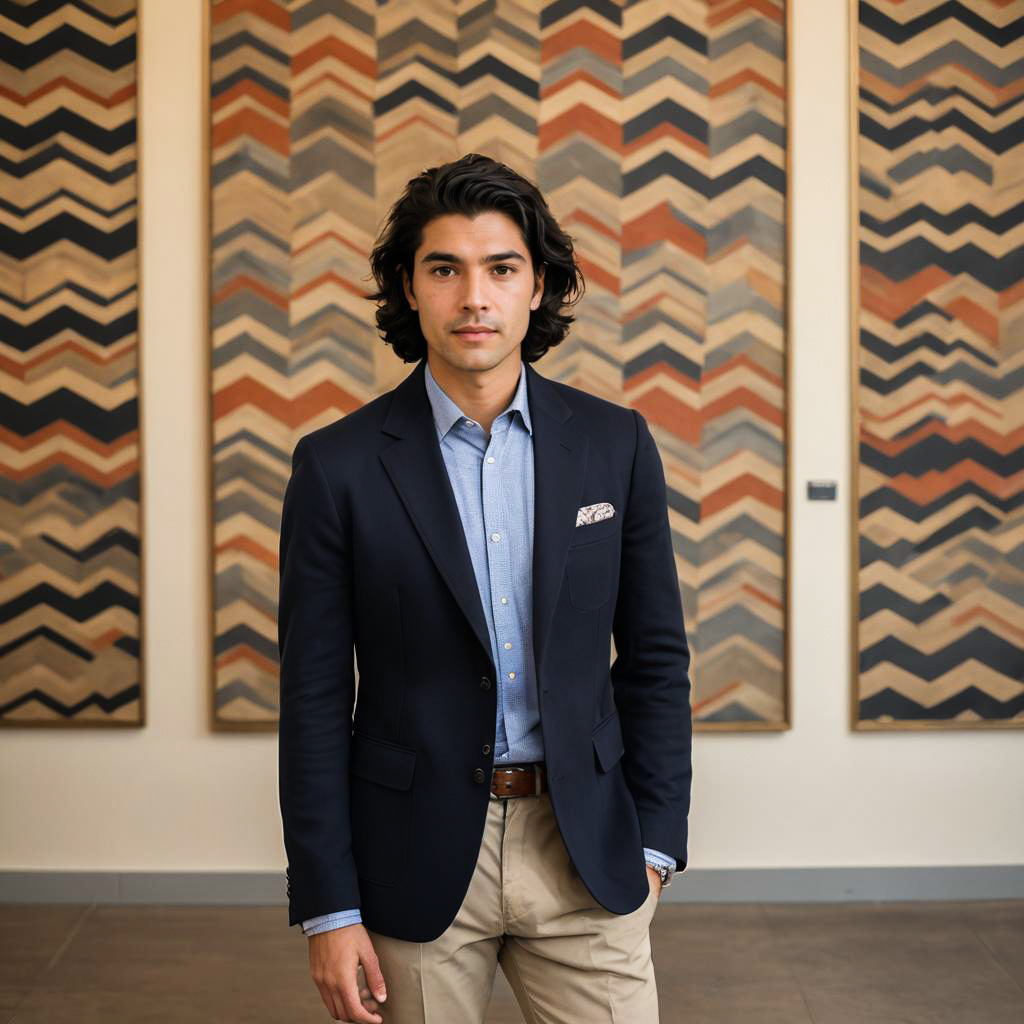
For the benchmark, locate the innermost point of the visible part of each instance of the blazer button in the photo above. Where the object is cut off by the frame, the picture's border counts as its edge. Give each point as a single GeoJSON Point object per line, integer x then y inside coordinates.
{"type": "Point", "coordinates": [478, 775]}
{"type": "Point", "coordinates": [486, 748]}
{"type": "Point", "coordinates": [485, 683]}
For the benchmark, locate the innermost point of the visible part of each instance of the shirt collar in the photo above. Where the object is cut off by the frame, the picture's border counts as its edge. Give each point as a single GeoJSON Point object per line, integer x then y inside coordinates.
{"type": "Point", "coordinates": [447, 413]}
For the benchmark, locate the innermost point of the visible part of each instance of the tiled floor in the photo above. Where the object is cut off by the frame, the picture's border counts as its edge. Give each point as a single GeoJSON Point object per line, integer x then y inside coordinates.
{"type": "Point", "coordinates": [891, 963]}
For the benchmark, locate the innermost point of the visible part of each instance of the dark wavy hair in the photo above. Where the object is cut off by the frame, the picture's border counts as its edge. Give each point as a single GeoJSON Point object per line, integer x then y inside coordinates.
{"type": "Point", "coordinates": [470, 186]}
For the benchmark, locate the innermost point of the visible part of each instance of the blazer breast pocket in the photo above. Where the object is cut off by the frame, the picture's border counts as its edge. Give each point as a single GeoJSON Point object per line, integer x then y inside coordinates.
{"type": "Point", "coordinates": [590, 568]}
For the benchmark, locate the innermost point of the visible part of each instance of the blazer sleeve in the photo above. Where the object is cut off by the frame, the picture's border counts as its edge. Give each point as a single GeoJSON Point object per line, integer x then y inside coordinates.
{"type": "Point", "coordinates": [650, 674]}
{"type": "Point", "coordinates": [317, 692]}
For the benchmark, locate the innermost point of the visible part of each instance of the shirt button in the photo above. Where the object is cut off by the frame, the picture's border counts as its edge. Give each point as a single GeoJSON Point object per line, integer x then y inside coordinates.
{"type": "Point", "coordinates": [511, 675]}
{"type": "Point", "coordinates": [485, 683]}
{"type": "Point", "coordinates": [486, 748]}
{"type": "Point", "coordinates": [469, 423]}
{"type": "Point", "coordinates": [508, 647]}
{"type": "Point", "coordinates": [490, 458]}
{"type": "Point", "coordinates": [478, 775]}
{"type": "Point", "coordinates": [504, 600]}
{"type": "Point", "coordinates": [495, 536]}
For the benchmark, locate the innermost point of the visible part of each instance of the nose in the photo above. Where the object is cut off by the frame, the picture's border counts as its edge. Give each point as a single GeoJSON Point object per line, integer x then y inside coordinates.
{"type": "Point", "coordinates": [474, 294]}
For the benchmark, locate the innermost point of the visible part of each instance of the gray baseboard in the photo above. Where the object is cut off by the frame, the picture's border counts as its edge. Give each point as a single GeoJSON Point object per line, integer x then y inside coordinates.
{"type": "Point", "coordinates": [695, 885]}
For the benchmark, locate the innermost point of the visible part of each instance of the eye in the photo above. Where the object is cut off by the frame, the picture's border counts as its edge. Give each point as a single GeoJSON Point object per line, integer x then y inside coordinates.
{"type": "Point", "coordinates": [437, 271]}
{"type": "Point", "coordinates": [505, 266]}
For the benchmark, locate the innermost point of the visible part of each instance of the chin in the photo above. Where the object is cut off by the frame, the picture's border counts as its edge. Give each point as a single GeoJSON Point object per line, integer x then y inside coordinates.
{"type": "Point", "coordinates": [477, 359]}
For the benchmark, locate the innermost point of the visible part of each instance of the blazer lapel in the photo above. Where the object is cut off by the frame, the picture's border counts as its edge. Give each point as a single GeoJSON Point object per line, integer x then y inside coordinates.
{"type": "Point", "coordinates": [559, 468]}
{"type": "Point", "coordinates": [416, 467]}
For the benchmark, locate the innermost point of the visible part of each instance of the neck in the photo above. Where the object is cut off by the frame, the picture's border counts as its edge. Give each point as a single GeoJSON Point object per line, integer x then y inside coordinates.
{"type": "Point", "coordinates": [480, 394]}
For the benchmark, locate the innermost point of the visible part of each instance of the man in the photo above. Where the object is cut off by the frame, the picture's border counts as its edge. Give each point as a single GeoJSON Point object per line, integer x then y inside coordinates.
{"type": "Point", "coordinates": [477, 535]}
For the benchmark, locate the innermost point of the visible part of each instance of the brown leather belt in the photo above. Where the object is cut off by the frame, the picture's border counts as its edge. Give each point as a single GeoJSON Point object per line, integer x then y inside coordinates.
{"type": "Point", "coordinates": [519, 780]}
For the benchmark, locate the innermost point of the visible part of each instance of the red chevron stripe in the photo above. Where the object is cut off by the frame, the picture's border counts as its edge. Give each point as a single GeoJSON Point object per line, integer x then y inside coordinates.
{"type": "Point", "coordinates": [891, 299]}
{"type": "Point", "coordinates": [722, 11]}
{"type": "Point", "coordinates": [581, 120]}
{"type": "Point", "coordinates": [253, 125]}
{"type": "Point", "coordinates": [293, 412]}
{"type": "Point", "coordinates": [746, 485]}
{"type": "Point", "coordinates": [659, 224]}
{"type": "Point", "coordinates": [255, 91]}
{"type": "Point", "coordinates": [583, 35]}
{"type": "Point", "coordinates": [332, 47]}
{"type": "Point", "coordinates": [266, 10]}
{"type": "Point", "coordinates": [243, 282]}
{"type": "Point", "coordinates": [114, 99]}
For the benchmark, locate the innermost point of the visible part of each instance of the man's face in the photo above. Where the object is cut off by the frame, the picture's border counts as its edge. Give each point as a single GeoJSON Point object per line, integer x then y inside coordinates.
{"type": "Point", "coordinates": [473, 286]}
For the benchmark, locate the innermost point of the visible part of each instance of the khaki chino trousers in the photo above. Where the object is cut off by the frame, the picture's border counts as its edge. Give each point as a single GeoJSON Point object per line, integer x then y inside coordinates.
{"type": "Point", "coordinates": [566, 958]}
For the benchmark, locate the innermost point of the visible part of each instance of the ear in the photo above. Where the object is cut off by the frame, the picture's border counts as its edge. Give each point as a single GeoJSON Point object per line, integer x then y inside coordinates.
{"type": "Point", "coordinates": [538, 291]}
{"type": "Point", "coordinates": [407, 288]}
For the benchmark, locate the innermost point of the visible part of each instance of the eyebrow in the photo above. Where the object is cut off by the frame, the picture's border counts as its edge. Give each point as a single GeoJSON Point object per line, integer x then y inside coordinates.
{"type": "Point", "coordinates": [449, 257]}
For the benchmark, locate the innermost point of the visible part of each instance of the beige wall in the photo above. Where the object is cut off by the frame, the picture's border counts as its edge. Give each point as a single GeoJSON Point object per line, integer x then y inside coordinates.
{"type": "Point", "coordinates": [175, 796]}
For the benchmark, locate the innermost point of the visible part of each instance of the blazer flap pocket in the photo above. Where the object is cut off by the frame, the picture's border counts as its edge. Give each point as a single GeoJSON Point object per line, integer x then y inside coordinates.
{"type": "Point", "coordinates": [379, 761]}
{"type": "Point", "coordinates": [608, 742]}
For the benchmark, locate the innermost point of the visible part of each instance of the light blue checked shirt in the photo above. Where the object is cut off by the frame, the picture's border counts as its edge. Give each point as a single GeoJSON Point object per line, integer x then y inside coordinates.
{"type": "Point", "coordinates": [492, 477]}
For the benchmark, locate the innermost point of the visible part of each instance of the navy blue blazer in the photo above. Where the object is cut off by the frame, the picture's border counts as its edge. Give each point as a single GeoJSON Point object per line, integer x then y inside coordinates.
{"type": "Point", "coordinates": [384, 793]}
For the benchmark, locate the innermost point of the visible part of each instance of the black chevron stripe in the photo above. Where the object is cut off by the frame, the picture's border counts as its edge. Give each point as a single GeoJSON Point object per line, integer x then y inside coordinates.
{"type": "Point", "coordinates": [79, 607]}
{"type": "Point", "coordinates": [607, 9]}
{"type": "Point", "coordinates": [660, 354]}
{"type": "Point", "coordinates": [925, 340]}
{"type": "Point", "coordinates": [934, 95]}
{"type": "Point", "coordinates": [997, 272]}
{"type": "Point", "coordinates": [25, 337]}
{"type": "Point", "coordinates": [241, 634]}
{"type": "Point", "coordinates": [72, 287]}
{"type": "Point", "coordinates": [901, 31]}
{"type": "Point", "coordinates": [27, 14]}
{"type": "Point", "coordinates": [410, 90]}
{"type": "Point", "coordinates": [914, 511]}
{"type": "Point", "coordinates": [891, 139]}
{"type": "Point", "coordinates": [979, 644]}
{"type": "Point", "coordinates": [106, 425]}
{"type": "Point", "coordinates": [669, 166]}
{"type": "Point", "coordinates": [83, 202]}
{"type": "Point", "coordinates": [107, 245]}
{"type": "Point", "coordinates": [938, 454]}
{"type": "Point", "coordinates": [110, 57]}
{"type": "Point", "coordinates": [116, 539]}
{"type": "Point", "coordinates": [230, 45]}
{"type": "Point", "coordinates": [249, 74]}
{"type": "Point", "coordinates": [51, 636]}
{"type": "Point", "coordinates": [665, 28]}
{"type": "Point", "coordinates": [882, 598]}
{"type": "Point", "coordinates": [889, 703]}
{"type": "Point", "coordinates": [491, 65]}
{"type": "Point", "coordinates": [947, 223]}
{"type": "Point", "coordinates": [109, 704]}
{"type": "Point", "coordinates": [31, 164]}
{"type": "Point", "coordinates": [666, 112]}
{"type": "Point", "coordinates": [104, 140]}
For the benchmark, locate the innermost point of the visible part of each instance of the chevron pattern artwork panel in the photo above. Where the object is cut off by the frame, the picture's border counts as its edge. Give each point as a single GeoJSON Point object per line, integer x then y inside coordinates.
{"type": "Point", "coordinates": [938, 400]}
{"type": "Point", "coordinates": [657, 132]}
{"type": "Point", "coordinates": [70, 572]}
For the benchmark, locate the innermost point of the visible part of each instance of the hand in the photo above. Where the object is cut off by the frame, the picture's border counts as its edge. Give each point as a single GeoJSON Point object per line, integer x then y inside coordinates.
{"type": "Point", "coordinates": [335, 957]}
{"type": "Point", "coordinates": [654, 878]}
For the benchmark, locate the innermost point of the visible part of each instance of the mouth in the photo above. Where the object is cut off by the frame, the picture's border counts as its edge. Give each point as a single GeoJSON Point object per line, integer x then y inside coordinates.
{"type": "Point", "coordinates": [474, 331]}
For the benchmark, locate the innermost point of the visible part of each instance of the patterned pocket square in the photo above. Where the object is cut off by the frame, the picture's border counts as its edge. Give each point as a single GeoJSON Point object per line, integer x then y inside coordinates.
{"type": "Point", "coordinates": [594, 513]}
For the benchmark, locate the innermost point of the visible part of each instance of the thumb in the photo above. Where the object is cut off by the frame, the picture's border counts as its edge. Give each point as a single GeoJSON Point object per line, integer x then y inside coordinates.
{"type": "Point", "coordinates": [374, 978]}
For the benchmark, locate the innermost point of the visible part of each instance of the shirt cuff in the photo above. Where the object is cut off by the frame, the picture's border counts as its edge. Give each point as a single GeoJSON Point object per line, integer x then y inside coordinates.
{"type": "Point", "coordinates": [659, 860]}
{"type": "Point", "coordinates": [328, 922]}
